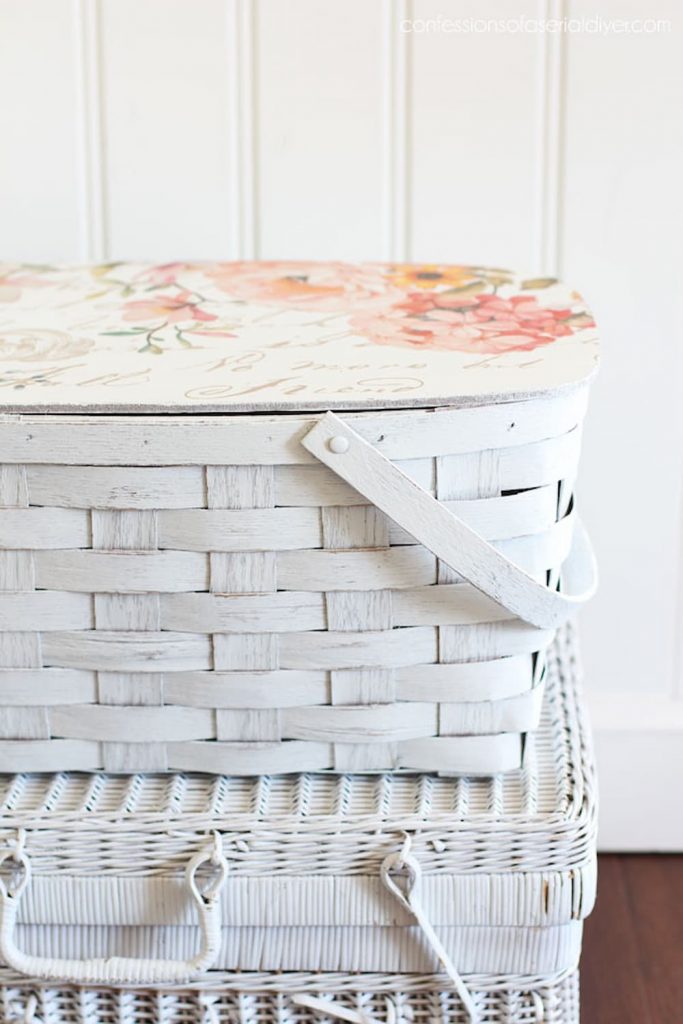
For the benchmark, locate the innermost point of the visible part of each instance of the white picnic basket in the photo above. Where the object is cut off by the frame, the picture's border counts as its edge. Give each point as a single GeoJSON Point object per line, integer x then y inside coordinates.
{"type": "Point", "coordinates": [206, 569]}
{"type": "Point", "coordinates": [394, 898]}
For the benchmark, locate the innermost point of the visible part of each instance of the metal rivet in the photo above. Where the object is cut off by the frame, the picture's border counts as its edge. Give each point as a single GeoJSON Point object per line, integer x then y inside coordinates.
{"type": "Point", "coordinates": [338, 445]}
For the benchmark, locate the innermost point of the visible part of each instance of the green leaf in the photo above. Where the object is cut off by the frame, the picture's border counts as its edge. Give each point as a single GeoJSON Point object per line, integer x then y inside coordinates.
{"type": "Point", "coordinates": [535, 283]}
{"type": "Point", "coordinates": [464, 289]}
{"type": "Point", "coordinates": [125, 334]}
{"type": "Point", "coordinates": [102, 269]}
{"type": "Point", "coordinates": [504, 271]}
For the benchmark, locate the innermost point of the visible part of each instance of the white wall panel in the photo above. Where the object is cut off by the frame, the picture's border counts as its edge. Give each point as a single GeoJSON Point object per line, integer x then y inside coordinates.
{"type": "Point", "coordinates": [318, 128]}
{"type": "Point", "coordinates": [475, 136]}
{"type": "Point", "coordinates": [166, 128]}
{"type": "Point", "coordinates": [39, 151]}
{"type": "Point", "coordinates": [319, 144]}
{"type": "Point", "coordinates": [622, 229]}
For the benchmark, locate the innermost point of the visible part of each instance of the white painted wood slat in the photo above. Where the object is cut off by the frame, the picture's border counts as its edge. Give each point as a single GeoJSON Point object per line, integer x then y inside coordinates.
{"type": "Point", "coordinates": [234, 440]}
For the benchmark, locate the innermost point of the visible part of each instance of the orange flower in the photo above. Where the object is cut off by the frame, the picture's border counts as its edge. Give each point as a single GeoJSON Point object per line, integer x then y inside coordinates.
{"type": "Point", "coordinates": [431, 275]}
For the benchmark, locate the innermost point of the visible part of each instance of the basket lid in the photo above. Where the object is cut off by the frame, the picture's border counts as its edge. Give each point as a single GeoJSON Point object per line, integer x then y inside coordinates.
{"type": "Point", "coordinates": [289, 336]}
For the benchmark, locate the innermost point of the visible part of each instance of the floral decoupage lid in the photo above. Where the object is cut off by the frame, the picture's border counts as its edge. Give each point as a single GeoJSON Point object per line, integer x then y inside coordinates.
{"type": "Point", "coordinates": [263, 336]}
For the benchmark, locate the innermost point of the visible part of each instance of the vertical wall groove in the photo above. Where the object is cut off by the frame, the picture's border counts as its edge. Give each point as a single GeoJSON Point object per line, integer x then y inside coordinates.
{"type": "Point", "coordinates": [547, 244]}
{"type": "Point", "coordinates": [243, 186]}
{"type": "Point", "coordinates": [396, 243]}
{"type": "Point", "coordinates": [92, 191]}
{"type": "Point", "coordinates": [677, 660]}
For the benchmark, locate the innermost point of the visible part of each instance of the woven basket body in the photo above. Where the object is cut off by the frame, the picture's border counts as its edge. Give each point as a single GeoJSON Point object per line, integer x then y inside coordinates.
{"type": "Point", "coordinates": [232, 606]}
{"type": "Point", "coordinates": [507, 872]}
{"type": "Point", "coordinates": [247, 593]}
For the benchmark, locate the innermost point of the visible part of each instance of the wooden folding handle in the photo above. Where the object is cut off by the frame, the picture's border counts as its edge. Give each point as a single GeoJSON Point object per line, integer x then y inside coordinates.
{"type": "Point", "coordinates": [353, 459]}
{"type": "Point", "coordinates": [117, 970]}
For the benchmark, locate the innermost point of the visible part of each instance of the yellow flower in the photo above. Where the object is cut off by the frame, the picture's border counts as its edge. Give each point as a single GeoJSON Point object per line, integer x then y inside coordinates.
{"type": "Point", "coordinates": [430, 275]}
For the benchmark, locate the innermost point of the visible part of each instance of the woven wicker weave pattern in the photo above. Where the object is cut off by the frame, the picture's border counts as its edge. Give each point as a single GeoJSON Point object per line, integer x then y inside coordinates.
{"type": "Point", "coordinates": [204, 596]}
{"type": "Point", "coordinates": [265, 999]}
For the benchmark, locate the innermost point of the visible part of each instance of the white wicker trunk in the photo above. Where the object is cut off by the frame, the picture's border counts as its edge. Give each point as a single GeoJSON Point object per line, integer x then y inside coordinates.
{"type": "Point", "coordinates": [231, 589]}
{"type": "Point", "coordinates": [383, 1001]}
{"type": "Point", "coordinates": [301, 896]}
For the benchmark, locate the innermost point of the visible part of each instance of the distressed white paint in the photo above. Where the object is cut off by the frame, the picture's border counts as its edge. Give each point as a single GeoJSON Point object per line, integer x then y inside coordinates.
{"type": "Point", "coordinates": [237, 128]}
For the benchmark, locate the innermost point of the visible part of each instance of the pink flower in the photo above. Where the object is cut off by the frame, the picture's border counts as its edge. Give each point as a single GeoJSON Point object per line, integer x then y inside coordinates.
{"type": "Point", "coordinates": [394, 326]}
{"type": "Point", "coordinates": [488, 324]}
{"type": "Point", "coordinates": [12, 283]}
{"type": "Point", "coordinates": [521, 313]}
{"type": "Point", "coordinates": [163, 273]}
{"type": "Point", "coordinates": [173, 309]}
{"type": "Point", "coordinates": [323, 287]}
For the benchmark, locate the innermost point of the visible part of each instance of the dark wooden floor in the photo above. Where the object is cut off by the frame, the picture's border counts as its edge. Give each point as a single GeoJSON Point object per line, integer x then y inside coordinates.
{"type": "Point", "coordinates": [632, 965]}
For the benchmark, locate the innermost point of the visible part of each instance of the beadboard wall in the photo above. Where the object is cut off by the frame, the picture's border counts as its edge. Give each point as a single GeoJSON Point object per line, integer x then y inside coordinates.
{"type": "Point", "coordinates": [322, 128]}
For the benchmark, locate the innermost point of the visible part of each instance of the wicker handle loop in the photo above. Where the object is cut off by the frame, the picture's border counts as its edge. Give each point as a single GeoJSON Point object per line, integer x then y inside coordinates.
{"type": "Point", "coordinates": [117, 970]}
{"type": "Point", "coordinates": [362, 466]}
{"type": "Point", "coordinates": [405, 864]}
